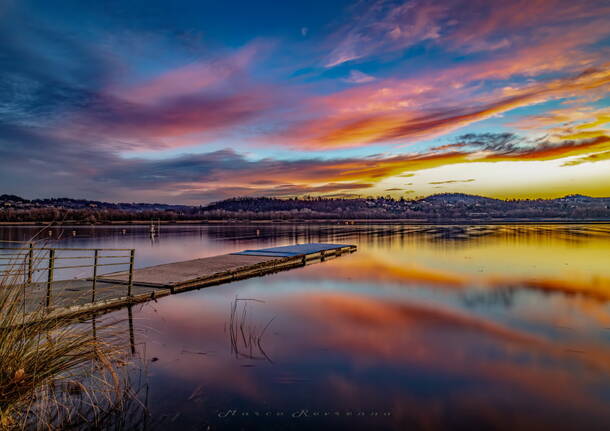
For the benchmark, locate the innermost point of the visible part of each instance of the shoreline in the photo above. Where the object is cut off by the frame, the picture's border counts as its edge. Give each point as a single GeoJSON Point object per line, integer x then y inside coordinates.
{"type": "Point", "coordinates": [343, 222]}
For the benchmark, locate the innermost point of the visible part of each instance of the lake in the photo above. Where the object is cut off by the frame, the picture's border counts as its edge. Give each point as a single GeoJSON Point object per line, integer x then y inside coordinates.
{"type": "Point", "coordinates": [424, 327]}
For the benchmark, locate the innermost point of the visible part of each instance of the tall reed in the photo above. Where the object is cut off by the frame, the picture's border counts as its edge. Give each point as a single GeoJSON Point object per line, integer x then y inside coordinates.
{"type": "Point", "coordinates": [245, 336]}
{"type": "Point", "coordinates": [55, 372]}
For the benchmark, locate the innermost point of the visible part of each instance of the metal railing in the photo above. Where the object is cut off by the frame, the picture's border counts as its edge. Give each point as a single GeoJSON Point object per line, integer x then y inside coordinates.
{"type": "Point", "coordinates": [29, 260]}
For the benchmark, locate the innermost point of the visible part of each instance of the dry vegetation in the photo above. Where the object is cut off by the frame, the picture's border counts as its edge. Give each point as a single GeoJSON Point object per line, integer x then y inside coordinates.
{"type": "Point", "coordinates": [58, 374]}
{"type": "Point", "coordinates": [246, 337]}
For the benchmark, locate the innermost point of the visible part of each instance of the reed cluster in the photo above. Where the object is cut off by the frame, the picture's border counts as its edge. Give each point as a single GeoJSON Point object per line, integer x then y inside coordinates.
{"type": "Point", "coordinates": [246, 336]}
{"type": "Point", "coordinates": [57, 373]}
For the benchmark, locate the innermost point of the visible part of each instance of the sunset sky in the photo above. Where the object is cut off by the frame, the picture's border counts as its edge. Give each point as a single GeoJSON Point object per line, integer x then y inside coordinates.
{"type": "Point", "coordinates": [197, 101]}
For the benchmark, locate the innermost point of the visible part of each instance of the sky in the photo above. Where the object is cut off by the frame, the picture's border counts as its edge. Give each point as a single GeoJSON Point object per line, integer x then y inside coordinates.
{"type": "Point", "coordinates": [196, 101]}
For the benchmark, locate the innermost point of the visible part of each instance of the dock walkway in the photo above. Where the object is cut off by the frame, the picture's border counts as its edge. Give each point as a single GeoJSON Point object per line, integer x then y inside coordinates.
{"type": "Point", "coordinates": [73, 297]}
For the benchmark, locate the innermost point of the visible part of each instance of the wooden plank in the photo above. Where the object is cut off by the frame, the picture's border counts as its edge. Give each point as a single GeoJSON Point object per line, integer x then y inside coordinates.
{"type": "Point", "coordinates": [77, 294]}
{"type": "Point", "coordinates": [174, 274]}
{"type": "Point", "coordinates": [209, 270]}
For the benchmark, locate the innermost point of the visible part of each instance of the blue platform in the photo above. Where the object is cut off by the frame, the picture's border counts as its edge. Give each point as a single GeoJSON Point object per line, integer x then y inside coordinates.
{"type": "Point", "coordinates": [293, 250]}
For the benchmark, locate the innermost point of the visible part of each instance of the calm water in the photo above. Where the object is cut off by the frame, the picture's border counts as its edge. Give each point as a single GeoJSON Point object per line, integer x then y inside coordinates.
{"type": "Point", "coordinates": [425, 327]}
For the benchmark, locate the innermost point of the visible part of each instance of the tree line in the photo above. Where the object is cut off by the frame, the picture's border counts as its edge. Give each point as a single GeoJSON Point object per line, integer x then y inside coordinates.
{"type": "Point", "coordinates": [436, 207]}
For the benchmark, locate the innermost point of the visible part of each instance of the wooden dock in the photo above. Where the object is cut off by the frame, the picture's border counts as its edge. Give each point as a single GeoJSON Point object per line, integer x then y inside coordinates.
{"type": "Point", "coordinates": [73, 297]}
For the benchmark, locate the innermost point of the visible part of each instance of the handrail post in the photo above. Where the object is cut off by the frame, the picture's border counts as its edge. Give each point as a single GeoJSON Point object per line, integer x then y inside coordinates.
{"type": "Point", "coordinates": [131, 262]}
{"type": "Point", "coordinates": [30, 263]}
{"type": "Point", "coordinates": [50, 275]}
{"type": "Point", "coordinates": [95, 258]}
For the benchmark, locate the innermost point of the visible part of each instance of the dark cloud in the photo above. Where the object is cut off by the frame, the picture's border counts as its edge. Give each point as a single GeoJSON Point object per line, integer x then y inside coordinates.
{"type": "Point", "coordinates": [285, 190]}
{"type": "Point", "coordinates": [497, 142]}
{"type": "Point", "coordinates": [44, 74]}
{"type": "Point", "coordinates": [291, 189]}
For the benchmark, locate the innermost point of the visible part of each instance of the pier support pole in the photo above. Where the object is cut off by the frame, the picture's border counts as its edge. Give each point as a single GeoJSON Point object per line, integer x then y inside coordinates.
{"type": "Point", "coordinates": [131, 262]}
{"type": "Point", "coordinates": [132, 338]}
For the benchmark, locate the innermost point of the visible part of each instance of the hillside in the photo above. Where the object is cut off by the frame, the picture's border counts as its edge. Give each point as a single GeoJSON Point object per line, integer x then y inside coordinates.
{"type": "Point", "coordinates": [440, 206]}
{"type": "Point", "coordinates": [12, 201]}
{"type": "Point", "coordinates": [446, 206]}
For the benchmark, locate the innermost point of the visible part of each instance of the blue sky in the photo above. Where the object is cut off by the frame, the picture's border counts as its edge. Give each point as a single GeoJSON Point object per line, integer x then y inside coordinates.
{"type": "Point", "coordinates": [190, 102]}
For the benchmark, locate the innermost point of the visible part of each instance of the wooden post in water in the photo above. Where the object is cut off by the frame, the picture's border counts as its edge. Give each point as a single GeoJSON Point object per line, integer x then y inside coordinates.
{"type": "Point", "coordinates": [132, 339]}
{"type": "Point", "coordinates": [50, 275]}
{"type": "Point", "coordinates": [95, 257]}
{"type": "Point", "coordinates": [131, 262]}
{"type": "Point", "coordinates": [30, 263]}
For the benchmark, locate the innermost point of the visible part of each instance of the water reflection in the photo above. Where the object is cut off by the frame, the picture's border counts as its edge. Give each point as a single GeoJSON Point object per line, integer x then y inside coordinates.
{"type": "Point", "coordinates": [345, 351]}
{"type": "Point", "coordinates": [433, 327]}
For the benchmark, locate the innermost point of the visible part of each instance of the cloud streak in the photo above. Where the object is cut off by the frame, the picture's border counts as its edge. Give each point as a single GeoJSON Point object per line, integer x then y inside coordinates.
{"type": "Point", "coordinates": [384, 113]}
{"type": "Point", "coordinates": [151, 107]}
{"type": "Point", "coordinates": [221, 174]}
{"type": "Point", "coordinates": [386, 27]}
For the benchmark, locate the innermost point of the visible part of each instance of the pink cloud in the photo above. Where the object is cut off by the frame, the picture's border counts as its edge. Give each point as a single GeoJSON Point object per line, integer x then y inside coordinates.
{"type": "Point", "coordinates": [469, 26]}
{"type": "Point", "coordinates": [183, 106]}
{"type": "Point", "coordinates": [382, 28]}
{"type": "Point", "coordinates": [434, 103]}
{"type": "Point", "coordinates": [191, 78]}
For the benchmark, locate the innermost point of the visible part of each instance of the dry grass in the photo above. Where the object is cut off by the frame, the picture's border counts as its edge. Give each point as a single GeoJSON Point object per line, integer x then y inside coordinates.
{"type": "Point", "coordinates": [56, 373]}
{"type": "Point", "coordinates": [246, 337]}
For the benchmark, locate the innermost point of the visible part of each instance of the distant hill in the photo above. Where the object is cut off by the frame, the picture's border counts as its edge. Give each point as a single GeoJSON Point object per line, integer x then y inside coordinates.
{"type": "Point", "coordinates": [444, 206]}
{"type": "Point", "coordinates": [457, 198]}
{"type": "Point", "coordinates": [580, 198]}
{"type": "Point", "coordinates": [264, 204]}
{"type": "Point", "coordinates": [440, 206]}
{"type": "Point", "coordinates": [452, 199]}
{"type": "Point", "coordinates": [17, 201]}
{"type": "Point", "coordinates": [11, 198]}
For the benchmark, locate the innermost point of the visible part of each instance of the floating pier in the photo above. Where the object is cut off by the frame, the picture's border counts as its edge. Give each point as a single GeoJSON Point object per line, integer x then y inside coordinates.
{"type": "Point", "coordinates": [207, 271]}
{"type": "Point", "coordinates": [73, 297]}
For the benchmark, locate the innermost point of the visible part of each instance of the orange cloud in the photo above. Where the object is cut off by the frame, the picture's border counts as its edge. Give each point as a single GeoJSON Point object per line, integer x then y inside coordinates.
{"type": "Point", "coordinates": [570, 123]}
{"type": "Point", "coordinates": [583, 117]}
{"type": "Point", "coordinates": [285, 178]}
{"type": "Point", "coordinates": [395, 111]}
{"type": "Point", "coordinates": [545, 36]}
